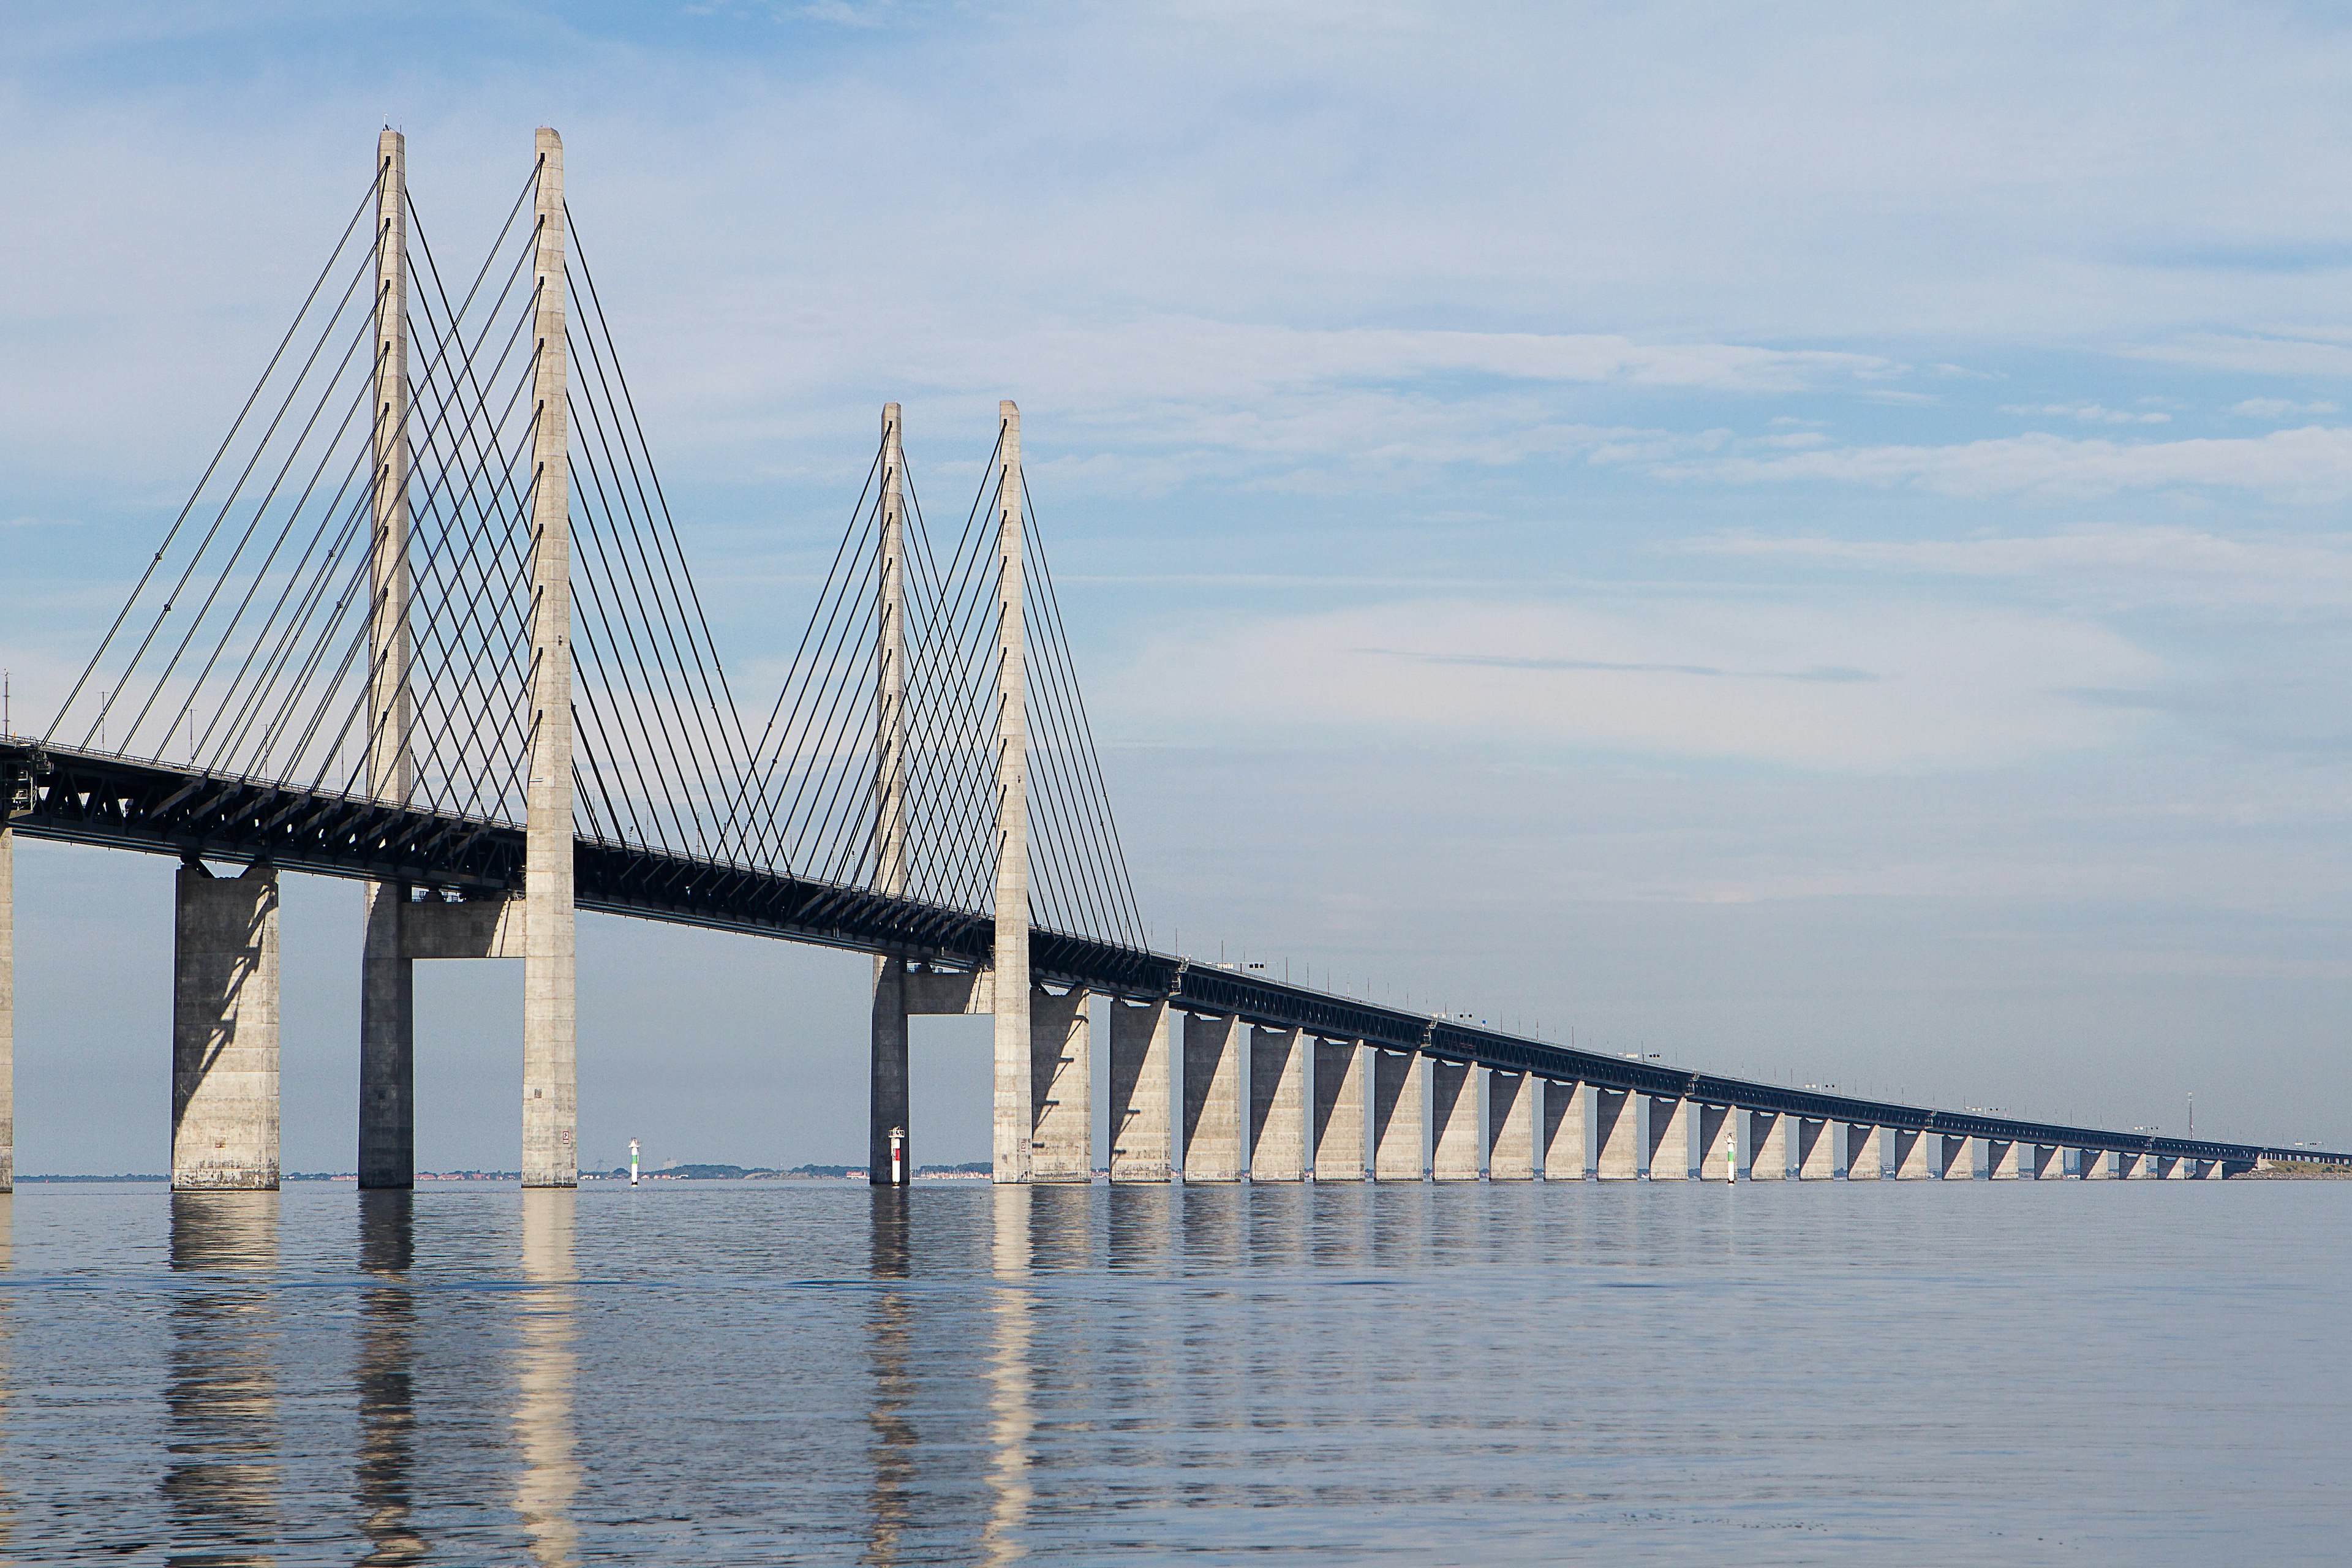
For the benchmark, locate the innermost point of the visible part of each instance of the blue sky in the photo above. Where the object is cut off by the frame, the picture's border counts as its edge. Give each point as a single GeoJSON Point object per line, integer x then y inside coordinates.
{"type": "Point", "coordinates": [1806, 539]}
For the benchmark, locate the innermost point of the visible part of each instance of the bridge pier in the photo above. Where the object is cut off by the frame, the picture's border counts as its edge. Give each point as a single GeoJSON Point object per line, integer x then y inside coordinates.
{"type": "Point", "coordinates": [1459, 1139]}
{"type": "Point", "coordinates": [1616, 1142]}
{"type": "Point", "coordinates": [2001, 1160]}
{"type": "Point", "coordinates": [1865, 1157]}
{"type": "Point", "coordinates": [1511, 1126]}
{"type": "Point", "coordinates": [1397, 1154]}
{"type": "Point", "coordinates": [1816, 1149]}
{"type": "Point", "coordinates": [2049, 1162]}
{"type": "Point", "coordinates": [1277, 1105]}
{"type": "Point", "coordinates": [1212, 1098]}
{"type": "Point", "coordinates": [1061, 1078]}
{"type": "Point", "coordinates": [225, 1030]}
{"type": "Point", "coordinates": [2095, 1164]}
{"type": "Point", "coordinates": [1338, 1111]}
{"type": "Point", "coordinates": [7, 997]}
{"type": "Point", "coordinates": [1768, 1146]}
{"type": "Point", "coordinates": [1667, 1147]}
{"type": "Point", "coordinates": [887, 1098]}
{"type": "Point", "coordinates": [1955, 1160]}
{"type": "Point", "coordinates": [1564, 1126]}
{"type": "Point", "coordinates": [1908, 1153]}
{"type": "Point", "coordinates": [1719, 1143]}
{"type": "Point", "coordinates": [1139, 1091]}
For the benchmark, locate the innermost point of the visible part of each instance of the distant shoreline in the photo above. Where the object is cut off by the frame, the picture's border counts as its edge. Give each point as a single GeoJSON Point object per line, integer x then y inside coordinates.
{"type": "Point", "coordinates": [977, 1170]}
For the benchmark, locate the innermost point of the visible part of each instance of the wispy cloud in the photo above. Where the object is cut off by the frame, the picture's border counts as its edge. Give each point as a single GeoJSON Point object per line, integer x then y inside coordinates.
{"type": "Point", "coordinates": [1876, 686]}
{"type": "Point", "coordinates": [2282, 409]}
{"type": "Point", "coordinates": [2089, 412]}
{"type": "Point", "coordinates": [2308, 465]}
{"type": "Point", "coordinates": [1508, 661]}
{"type": "Point", "coordinates": [2250, 353]}
{"type": "Point", "coordinates": [2116, 565]}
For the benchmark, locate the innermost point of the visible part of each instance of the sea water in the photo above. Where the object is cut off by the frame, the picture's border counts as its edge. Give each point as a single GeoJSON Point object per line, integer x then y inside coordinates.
{"type": "Point", "coordinates": [798, 1372]}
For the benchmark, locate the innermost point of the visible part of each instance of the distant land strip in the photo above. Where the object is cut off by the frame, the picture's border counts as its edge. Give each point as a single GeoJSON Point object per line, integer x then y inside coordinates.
{"type": "Point", "coordinates": [976, 1168]}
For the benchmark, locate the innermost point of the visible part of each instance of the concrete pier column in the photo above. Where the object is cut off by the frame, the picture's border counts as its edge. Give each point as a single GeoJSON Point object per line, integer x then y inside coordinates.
{"type": "Point", "coordinates": [1865, 1152]}
{"type": "Point", "coordinates": [2049, 1162]}
{"type": "Point", "coordinates": [1139, 1049]}
{"type": "Point", "coordinates": [550, 1157]}
{"type": "Point", "coordinates": [1459, 1137]}
{"type": "Point", "coordinates": [2172, 1168]}
{"type": "Point", "coordinates": [1213, 1048]}
{"type": "Point", "coordinates": [225, 1030]}
{"type": "Point", "coordinates": [2095, 1164]}
{"type": "Point", "coordinates": [387, 1131]}
{"type": "Point", "coordinates": [1955, 1161]}
{"type": "Point", "coordinates": [1908, 1152]}
{"type": "Point", "coordinates": [1511, 1126]}
{"type": "Point", "coordinates": [1397, 1152]}
{"type": "Point", "coordinates": [7, 1000]}
{"type": "Point", "coordinates": [2130, 1167]}
{"type": "Point", "coordinates": [1667, 1149]}
{"type": "Point", "coordinates": [1061, 1075]}
{"type": "Point", "coordinates": [2002, 1161]}
{"type": "Point", "coordinates": [1616, 1141]}
{"type": "Point", "coordinates": [1719, 1143]}
{"type": "Point", "coordinates": [1563, 1124]}
{"type": "Point", "coordinates": [887, 1122]}
{"type": "Point", "coordinates": [1338, 1111]}
{"type": "Point", "coordinates": [1278, 1104]}
{"type": "Point", "coordinates": [1816, 1149]}
{"type": "Point", "coordinates": [1768, 1146]}
{"type": "Point", "coordinates": [1013, 1097]}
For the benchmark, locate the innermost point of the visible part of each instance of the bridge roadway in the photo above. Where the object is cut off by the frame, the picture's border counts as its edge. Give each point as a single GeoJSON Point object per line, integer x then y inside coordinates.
{"type": "Point", "coordinates": [95, 798]}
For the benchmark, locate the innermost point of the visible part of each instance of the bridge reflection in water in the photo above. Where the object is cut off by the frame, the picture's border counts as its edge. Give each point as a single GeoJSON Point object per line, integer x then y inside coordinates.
{"type": "Point", "coordinates": [977, 1374]}
{"type": "Point", "coordinates": [386, 1383]}
{"type": "Point", "coordinates": [221, 1481]}
{"type": "Point", "coordinates": [550, 1475]}
{"type": "Point", "coordinates": [7, 1491]}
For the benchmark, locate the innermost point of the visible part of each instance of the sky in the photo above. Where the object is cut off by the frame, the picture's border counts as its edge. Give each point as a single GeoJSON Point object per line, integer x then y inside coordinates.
{"type": "Point", "coordinates": [1810, 540]}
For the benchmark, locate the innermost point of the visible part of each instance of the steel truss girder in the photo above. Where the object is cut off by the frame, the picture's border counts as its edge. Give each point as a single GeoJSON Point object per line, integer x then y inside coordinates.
{"type": "Point", "coordinates": [93, 798]}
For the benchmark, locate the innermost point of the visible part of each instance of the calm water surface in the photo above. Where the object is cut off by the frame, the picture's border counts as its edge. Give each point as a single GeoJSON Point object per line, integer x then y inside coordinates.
{"type": "Point", "coordinates": [1908, 1373]}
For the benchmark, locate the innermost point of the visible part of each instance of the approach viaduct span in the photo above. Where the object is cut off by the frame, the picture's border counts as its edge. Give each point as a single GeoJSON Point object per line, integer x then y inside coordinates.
{"type": "Point", "coordinates": [426, 624]}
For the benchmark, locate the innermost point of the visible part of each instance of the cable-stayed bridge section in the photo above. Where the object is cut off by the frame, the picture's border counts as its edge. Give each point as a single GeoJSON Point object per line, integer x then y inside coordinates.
{"type": "Point", "coordinates": [427, 622]}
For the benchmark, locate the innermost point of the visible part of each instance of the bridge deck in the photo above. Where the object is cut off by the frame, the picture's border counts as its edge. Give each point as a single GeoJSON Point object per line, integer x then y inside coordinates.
{"type": "Point", "coordinates": [95, 798]}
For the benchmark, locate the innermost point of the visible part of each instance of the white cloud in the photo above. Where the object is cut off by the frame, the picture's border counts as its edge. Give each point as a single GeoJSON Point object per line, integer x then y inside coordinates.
{"type": "Point", "coordinates": [1882, 686]}
{"type": "Point", "coordinates": [2116, 565]}
{"type": "Point", "coordinates": [2252, 353]}
{"type": "Point", "coordinates": [2089, 412]}
{"type": "Point", "coordinates": [2281, 408]}
{"type": "Point", "coordinates": [2312, 466]}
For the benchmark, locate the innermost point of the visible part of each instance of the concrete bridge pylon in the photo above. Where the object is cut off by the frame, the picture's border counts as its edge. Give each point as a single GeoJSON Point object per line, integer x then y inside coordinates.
{"type": "Point", "coordinates": [401, 713]}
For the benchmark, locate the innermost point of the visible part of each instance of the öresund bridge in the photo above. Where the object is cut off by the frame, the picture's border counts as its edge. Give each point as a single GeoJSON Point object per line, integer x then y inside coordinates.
{"type": "Point", "coordinates": [425, 623]}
